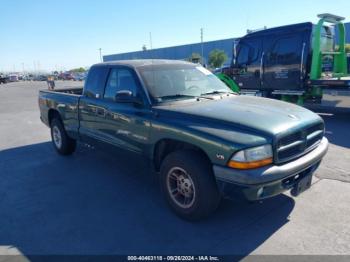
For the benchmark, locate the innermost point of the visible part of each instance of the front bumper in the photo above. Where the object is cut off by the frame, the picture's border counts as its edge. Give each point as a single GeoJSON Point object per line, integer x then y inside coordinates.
{"type": "Point", "coordinates": [268, 181]}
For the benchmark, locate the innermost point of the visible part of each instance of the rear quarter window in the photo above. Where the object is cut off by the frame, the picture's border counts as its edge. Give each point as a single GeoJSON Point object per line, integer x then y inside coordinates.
{"type": "Point", "coordinates": [95, 82]}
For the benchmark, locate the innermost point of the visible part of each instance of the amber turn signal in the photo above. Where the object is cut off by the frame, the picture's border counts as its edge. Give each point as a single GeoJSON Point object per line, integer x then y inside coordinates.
{"type": "Point", "coordinates": [249, 165]}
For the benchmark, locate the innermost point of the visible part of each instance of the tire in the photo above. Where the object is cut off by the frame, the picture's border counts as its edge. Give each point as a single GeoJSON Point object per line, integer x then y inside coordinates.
{"type": "Point", "coordinates": [189, 170]}
{"type": "Point", "coordinates": [63, 144]}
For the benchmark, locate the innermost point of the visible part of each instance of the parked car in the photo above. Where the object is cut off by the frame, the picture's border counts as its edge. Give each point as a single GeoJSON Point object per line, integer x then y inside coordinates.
{"type": "Point", "coordinates": [29, 77]}
{"type": "Point", "coordinates": [66, 76]}
{"type": "Point", "coordinates": [3, 79]}
{"type": "Point", "coordinates": [205, 141]}
{"type": "Point", "coordinates": [13, 78]}
{"type": "Point", "coordinates": [40, 78]}
{"type": "Point", "coordinates": [79, 77]}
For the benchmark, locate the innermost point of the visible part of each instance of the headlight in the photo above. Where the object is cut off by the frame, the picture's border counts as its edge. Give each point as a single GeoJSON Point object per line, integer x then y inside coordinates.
{"type": "Point", "coordinates": [252, 157]}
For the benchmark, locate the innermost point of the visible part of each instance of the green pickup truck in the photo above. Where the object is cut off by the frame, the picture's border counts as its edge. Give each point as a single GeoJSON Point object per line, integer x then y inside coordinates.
{"type": "Point", "coordinates": [205, 141]}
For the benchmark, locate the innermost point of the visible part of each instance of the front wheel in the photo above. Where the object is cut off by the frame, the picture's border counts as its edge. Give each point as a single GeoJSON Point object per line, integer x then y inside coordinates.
{"type": "Point", "coordinates": [63, 144]}
{"type": "Point", "coordinates": [189, 186]}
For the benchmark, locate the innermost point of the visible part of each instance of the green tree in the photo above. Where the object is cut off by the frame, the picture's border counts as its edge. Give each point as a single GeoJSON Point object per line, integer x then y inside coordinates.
{"type": "Point", "coordinates": [217, 58]}
{"type": "Point", "coordinates": [78, 70]}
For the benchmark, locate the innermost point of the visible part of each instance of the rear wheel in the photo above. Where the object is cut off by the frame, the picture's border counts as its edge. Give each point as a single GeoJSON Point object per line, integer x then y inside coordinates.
{"type": "Point", "coordinates": [63, 144]}
{"type": "Point", "coordinates": [189, 185]}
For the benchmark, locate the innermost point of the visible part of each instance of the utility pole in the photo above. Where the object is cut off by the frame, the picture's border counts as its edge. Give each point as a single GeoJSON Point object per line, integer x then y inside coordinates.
{"type": "Point", "coordinates": [202, 46]}
{"type": "Point", "coordinates": [100, 49]}
{"type": "Point", "coordinates": [150, 40]}
{"type": "Point", "coordinates": [23, 68]}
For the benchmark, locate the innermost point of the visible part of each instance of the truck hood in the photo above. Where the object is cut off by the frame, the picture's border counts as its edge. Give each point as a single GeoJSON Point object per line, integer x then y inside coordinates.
{"type": "Point", "coordinates": [255, 113]}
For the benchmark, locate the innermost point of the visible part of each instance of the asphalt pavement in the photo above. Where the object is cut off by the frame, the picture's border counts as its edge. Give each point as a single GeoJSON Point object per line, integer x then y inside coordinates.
{"type": "Point", "coordinates": [95, 202]}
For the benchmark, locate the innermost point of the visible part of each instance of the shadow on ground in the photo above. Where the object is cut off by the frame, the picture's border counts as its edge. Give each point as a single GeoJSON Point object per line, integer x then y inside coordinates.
{"type": "Point", "coordinates": [337, 128]}
{"type": "Point", "coordinates": [95, 203]}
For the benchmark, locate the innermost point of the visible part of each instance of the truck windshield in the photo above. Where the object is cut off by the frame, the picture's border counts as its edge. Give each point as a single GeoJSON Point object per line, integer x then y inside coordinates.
{"type": "Point", "coordinates": [180, 81]}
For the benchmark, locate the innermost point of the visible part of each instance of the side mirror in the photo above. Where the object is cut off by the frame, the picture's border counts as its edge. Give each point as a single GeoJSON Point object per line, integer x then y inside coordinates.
{"type": "Point", "coordinates": [126, 96]}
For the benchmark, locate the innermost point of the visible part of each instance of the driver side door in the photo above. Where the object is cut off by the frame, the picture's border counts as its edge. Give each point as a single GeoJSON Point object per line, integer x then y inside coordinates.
{"type": "Point", "coordinates": [126, 123]}
{"type": "Point", "coordinates": [248, 68]}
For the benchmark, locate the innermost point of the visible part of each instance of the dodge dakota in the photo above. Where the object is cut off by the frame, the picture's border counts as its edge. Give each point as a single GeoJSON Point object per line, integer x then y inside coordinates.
{"type": "Point", "coordinates": [203, 140]}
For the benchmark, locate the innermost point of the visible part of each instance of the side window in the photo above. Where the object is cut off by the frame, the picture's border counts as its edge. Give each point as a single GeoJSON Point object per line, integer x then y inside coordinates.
{"type": "Point", "coordinates": [286, 51]}
{"type": "Point", "coordinates": [95, 82]}
{"type": "Point", "coordinates": [243, 54]}
{"type": "Point", "coordinates": [120, 79]}
{"type": "Point", "coordinates": [248, 52]}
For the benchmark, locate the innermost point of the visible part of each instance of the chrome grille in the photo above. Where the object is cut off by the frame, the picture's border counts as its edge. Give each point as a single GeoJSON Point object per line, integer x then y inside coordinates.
{"type": "Point", "coordinates": [298, 143]}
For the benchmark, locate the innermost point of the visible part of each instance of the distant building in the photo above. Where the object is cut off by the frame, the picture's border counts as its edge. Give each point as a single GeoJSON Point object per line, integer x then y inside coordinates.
{"type": "Point", "coordinates": [184, 52]}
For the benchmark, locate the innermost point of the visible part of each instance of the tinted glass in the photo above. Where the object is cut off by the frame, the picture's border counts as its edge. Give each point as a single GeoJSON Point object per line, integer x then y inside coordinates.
{"type": "Point", "coordinates": [95, 82]}
{"type": "Point", "coordinates": [287, 50]}
{"type": "Point", "coordinates": [248, 51]}
{"type": "Point", "coordinates": [243, 54]}
{"type": "Point", "coordinates": [254, 50]}
{"type": "Point", "coordinates": [120, 79]}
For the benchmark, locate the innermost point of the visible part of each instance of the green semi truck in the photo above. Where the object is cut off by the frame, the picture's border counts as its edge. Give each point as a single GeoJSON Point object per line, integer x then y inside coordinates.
{"type": "Point", "coordinates": [292, 63]}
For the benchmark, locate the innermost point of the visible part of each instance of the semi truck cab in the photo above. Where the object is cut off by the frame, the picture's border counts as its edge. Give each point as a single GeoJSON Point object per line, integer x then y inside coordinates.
{"type": "Point", "coordinates": [290, 61]}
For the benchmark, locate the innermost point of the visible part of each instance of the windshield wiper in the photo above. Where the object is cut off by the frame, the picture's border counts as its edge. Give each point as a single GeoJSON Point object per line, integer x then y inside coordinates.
{"type": "Point", "coordinates": [176, 96]}
{"type": "Point", "coordinates": [217, 92]}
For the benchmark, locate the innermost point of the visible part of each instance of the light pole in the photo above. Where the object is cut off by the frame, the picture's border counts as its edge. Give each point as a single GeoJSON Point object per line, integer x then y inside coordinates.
{"type": "Point", "coordinates": [150, 40]}
{"type": "Point", "coordinates": [100, 49]}
{"type": "Point", "coordinates": [202, 46]}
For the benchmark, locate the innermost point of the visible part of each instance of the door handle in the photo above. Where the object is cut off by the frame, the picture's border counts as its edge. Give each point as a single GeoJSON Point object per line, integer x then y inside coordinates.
{"type": "Point", "coordinates": [100, 111]}
{"type": "Point", "coordinates": [257, 73]}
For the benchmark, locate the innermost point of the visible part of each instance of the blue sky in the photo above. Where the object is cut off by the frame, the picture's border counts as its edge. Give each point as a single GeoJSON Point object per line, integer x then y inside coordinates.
{"type": "Point", "coordinates": [64, 34]}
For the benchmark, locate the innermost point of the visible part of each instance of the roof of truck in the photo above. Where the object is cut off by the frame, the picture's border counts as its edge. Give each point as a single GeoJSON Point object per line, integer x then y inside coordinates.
{"type": "Point", "coordinates": [143, 62]}
{"type": "Point", "coordinates": [281, 29]}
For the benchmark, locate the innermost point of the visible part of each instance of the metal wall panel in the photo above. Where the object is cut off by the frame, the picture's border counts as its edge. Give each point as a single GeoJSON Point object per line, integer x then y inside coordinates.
{"type": "Point", "coordinates": [185, 51]}
{"type": "Point", "coordinates": [182, 52]}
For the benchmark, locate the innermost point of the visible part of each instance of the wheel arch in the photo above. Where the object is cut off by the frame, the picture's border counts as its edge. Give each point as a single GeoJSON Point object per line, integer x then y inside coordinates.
{"type": "Point", "coordinates": [53, 113]}
{"type": "Point", "coordinates": [166, 146]}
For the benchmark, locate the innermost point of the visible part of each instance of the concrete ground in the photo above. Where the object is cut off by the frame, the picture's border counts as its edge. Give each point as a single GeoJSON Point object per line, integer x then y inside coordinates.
{"type": "Point", "coordinates": [98, 203]}
{"type": "Point", "coordinates": [333, 100]}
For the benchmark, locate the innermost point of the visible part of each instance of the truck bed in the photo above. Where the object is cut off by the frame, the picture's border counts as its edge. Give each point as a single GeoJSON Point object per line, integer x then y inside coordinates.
{"type": "Point", "coordinates": [66, 102]}
{"type": "Point", "coordinates": [73, 91]}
